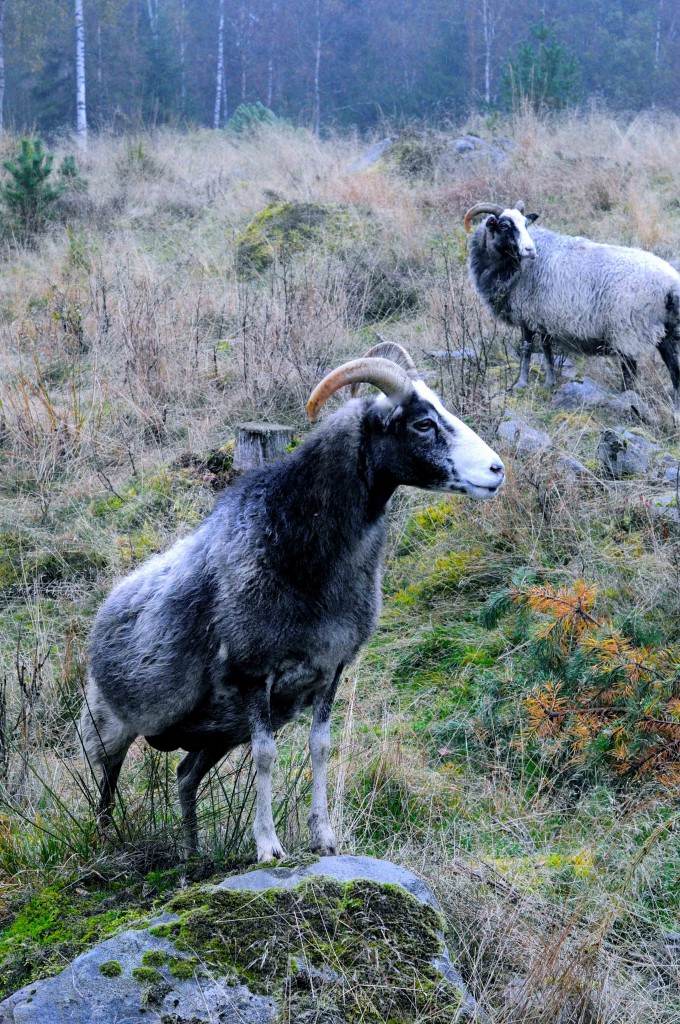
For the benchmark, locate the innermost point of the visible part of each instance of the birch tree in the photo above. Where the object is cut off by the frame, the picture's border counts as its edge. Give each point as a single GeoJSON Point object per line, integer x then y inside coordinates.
{"type": "Point", "coordinates": [182, 28]}
{"type": "Point", "coordinates": [152, 8]}
{"type": "Point", "coordinates": [2, 62]}
{"type": "Point", "coordinates": [220, 94]}
{"type": "Point", "coordinates": [273, 32]}
{"type": "Point", "coordinates": [317, 71]}
{"type": "Point", "coordinates": [491, 12]}
{"type": "Point", "coordinates": [81, 106]}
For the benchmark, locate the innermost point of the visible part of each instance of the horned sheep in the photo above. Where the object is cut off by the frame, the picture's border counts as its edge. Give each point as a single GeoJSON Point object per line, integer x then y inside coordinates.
{"type": "Point", "coordinates": [585, 296]}
{"type": "Point", "coordinates": [251, 619]}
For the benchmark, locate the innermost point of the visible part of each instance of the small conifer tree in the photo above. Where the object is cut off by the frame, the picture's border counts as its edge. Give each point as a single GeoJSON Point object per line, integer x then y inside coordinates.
{"type": "Point", "coordinates": [28, 195]}
{"type": "Point", "coordinates": [543, 73]}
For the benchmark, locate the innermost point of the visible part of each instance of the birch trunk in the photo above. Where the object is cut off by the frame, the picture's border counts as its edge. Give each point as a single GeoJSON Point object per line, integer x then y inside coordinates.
{"type": "Point", "coordinates": [273, 28]}
{"type": "Point", "coordinates": [488, 30]}
{"type": "Point", "coordinates": [183, 56]}
{"type": "Point", "coordinates": [81, 107]}
{"type": "Point", "coordinates": [317, 72]}
{"type": "Point", "coordinates": [243, 33]}
{"type": "Point", "coordinates": [657, 54]}
{"type": "Point", "coordinates": [219, 82]}
{"type": "Point", "coordinates": [152, 6]}
{"type": "Point", "coordinates": [2, 63]}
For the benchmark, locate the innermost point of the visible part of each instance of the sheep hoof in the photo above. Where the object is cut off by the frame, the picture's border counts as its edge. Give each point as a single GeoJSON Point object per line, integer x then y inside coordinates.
{"type": "Point", "coordinates": [325, 851]}
{"type": "Point", "coordinates": [272, 851]}
{"type": "Point", "coordinates": [324, 843]}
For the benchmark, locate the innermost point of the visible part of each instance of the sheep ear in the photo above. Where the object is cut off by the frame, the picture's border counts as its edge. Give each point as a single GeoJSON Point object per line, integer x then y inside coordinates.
{"type": "Point", "coordinates": [491, 223]}
{"type": "Point", "coordinates": [531, 217]}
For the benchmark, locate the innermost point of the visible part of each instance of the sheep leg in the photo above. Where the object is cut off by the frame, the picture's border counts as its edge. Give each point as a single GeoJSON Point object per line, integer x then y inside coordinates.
{"type": "Point", "coordinates": [190, 771]}
{"type": "Point", "coordinates": [321, 831]}
{"type": "Point", "coordinates": [106, 741]}
{"type": "Point", "coordinates": [110, 767]}
{"type": "Point", "coordinates": [525, 362]}
{"type": "Point", "coordinates": [628, 372]}
{"type": "Point", "coordinates": [546, 344]}
{"type": "Point", "coordinates": [669, 350]}
{"type": "Point", "coordinates": [264, 754]}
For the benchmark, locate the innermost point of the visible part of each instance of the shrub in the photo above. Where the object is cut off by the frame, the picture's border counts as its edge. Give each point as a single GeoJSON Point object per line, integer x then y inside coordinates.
{"type": "Point", "coordinates": [249, 117]}
{"type": "Point", "coordinates": [543, 73]}
{"type": "Point", "coordinates": [597, 697]}
{"type": "Point", "coordinates": [28, 195]}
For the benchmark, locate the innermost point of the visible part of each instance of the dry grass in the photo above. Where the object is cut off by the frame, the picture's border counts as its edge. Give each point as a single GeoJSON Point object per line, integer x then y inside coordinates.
{"type": "Point", "coordinates": [129, 340]}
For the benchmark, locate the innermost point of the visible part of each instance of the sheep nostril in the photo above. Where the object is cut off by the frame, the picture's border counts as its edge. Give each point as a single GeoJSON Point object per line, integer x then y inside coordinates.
{"type": "Point", "coordinates": [498, 468]}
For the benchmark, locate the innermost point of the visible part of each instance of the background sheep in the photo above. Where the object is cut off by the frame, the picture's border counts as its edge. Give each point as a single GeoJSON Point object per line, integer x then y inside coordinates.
{"type": "Point", "coordinates": [251, 619]}
{"type": "Point", "coordinates": [586, 297]}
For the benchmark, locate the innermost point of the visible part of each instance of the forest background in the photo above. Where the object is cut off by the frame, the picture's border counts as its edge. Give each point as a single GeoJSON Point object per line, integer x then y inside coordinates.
{"type": "Point", "coordinates": [331, 63]}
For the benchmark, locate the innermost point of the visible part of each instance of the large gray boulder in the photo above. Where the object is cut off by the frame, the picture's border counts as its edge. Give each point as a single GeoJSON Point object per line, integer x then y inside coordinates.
{"type": "Point", "coordinates": [521, 436]}
{"type": "Point", "coordinates": [468, 149]}
{"type": "Point", "coordinates": [272, 946]}
{"type": "Point", "coordinates": [584, 393]}
{"type": "Point", "coordinates": [667, 469]}
{"type": "Point", "coordinates": [371, 157]}
{"type": "Point", "coordinates": [623, 453]}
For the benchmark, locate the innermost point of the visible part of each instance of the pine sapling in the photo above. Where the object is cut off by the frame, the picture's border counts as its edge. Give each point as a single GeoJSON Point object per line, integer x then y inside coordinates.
{"type": "Point", "coordinates": [28, 195]}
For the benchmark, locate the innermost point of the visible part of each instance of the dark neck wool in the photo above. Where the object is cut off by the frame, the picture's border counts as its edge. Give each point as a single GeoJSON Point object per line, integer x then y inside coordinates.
{"type": "Point", "coordinates": [493, 275]}
{"type": "Point", "coordinates": [321, 507]}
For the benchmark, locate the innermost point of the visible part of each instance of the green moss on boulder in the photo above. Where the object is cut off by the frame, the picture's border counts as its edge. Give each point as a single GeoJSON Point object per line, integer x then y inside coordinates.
{"type": "Point", "coordinates": [146, 975]}
{"type": "Point", "coordinates": [324, 944]}
{"type": "Point", "coordinates": [154, 958]}
{"type": "Point", "coordinates": [110, 969]}
{"type": "Point", "coordinates": [415, 154]}
{"type": "Point", "coordinates": [284, 228]}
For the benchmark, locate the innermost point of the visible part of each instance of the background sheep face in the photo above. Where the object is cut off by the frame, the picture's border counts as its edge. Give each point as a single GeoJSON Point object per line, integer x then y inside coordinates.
{"type": "Point", "coordinates": [508, 236]}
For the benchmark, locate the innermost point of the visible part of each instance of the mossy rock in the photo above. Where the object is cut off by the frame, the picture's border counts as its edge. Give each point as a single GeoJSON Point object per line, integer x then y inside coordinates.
{"type": "Point", "coordinates": [415, 154]}
{"type": "Point", "coordinates": [288, 945]}
{"type": "Point", "coordinates": [285, 228]}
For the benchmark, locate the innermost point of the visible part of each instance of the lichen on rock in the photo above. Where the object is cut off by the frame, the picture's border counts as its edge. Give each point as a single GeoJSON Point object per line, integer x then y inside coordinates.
{"type": "Point", "coordinates": [367, 947]}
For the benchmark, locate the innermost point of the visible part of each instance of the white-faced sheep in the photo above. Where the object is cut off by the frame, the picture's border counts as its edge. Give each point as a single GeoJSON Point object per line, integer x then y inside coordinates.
{"type": "Point", "coordinates": [251, 619]}
{"type": "Point", "coordinates": [581, 295]}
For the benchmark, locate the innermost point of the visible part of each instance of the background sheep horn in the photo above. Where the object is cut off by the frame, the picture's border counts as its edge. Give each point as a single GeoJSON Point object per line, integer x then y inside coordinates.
{"type": "Point", "coordinates": [393, 351]}
{"type": "Point", "coordinates": [474, 211]}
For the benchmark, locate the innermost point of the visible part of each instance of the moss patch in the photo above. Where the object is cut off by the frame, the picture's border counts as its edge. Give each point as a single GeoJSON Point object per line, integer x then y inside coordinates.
{"type": "Point", "coordinates": [416, 154]}
{"type": "Point", "coordinates": [110, 969]}
{"type": "Point", "coordinates": [363, 949]}
{"type": "Point", "coordinates": [59, 923]}
{"type": "Point", "coordinates": [146, 975]}
{"type": "Point", "coordinates": [283, 228]}
{"type": "Point", "coordinates": [183, 970]}
{"type": "Point", "coordinates": [155, 958]}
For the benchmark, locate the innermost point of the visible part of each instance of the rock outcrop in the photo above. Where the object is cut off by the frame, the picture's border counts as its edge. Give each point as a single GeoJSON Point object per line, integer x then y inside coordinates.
{"type": "Point", "coordinates": [340, 940]}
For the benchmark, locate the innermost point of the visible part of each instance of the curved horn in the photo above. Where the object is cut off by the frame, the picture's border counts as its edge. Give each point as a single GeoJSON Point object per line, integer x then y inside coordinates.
{"type": "Point", "coordinates": [392, 380]}
{"type": "Point", "coordinates": [480, 208]}
{"type": "Point", "coordinates": [519, 205]}
{"type": "Point", "coordinates": [394, 352]}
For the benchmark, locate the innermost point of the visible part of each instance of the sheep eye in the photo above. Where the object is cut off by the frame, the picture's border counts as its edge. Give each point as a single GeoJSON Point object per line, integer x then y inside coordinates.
{"type": "Point", "coordinates": [422, 426]}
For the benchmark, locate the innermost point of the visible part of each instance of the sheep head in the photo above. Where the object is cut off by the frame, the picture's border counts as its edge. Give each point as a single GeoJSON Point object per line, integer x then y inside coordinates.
{"type": "Point", "coordinates": [506, 229]}
{"type": "Point", "coordinates": [415, 440]}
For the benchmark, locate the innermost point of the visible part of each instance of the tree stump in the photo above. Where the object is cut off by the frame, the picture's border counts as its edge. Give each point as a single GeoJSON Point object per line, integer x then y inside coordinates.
{"type": "Point", "coordinates": [258, 443]}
